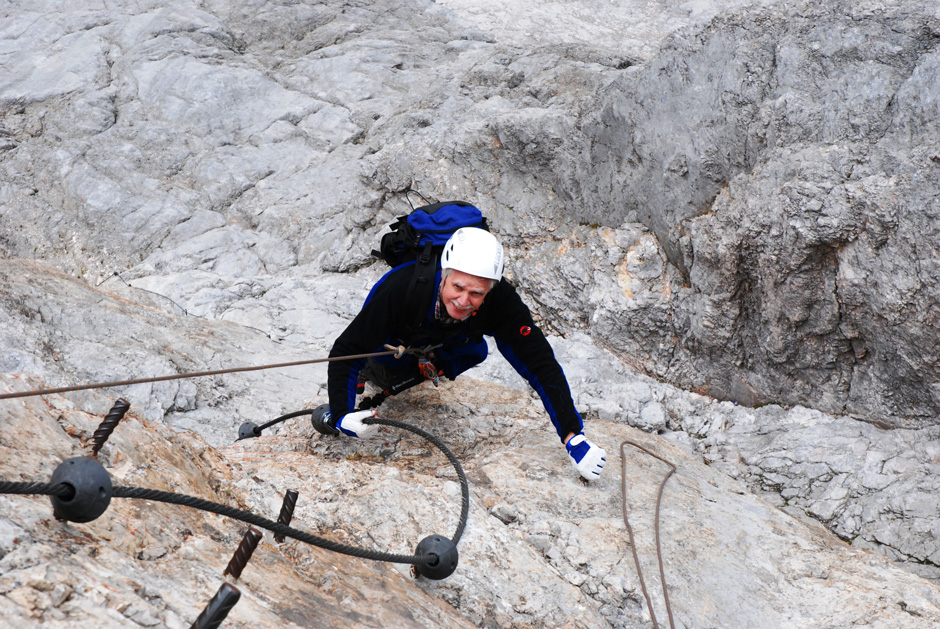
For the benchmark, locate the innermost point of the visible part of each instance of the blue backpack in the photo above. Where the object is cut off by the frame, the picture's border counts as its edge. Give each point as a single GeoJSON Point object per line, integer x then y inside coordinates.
{"type": "Point", "coordinates": [420, 237]}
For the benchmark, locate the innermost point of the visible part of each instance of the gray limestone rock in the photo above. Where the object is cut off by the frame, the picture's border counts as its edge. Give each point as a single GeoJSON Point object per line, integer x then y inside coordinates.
{"type": "Point", "coordinates": [774, 156]}
{"type": "Point", "coordinates": [736, 198]}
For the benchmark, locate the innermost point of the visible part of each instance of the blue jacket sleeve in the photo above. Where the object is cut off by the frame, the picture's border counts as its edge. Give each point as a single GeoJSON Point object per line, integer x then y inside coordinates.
{"type": "Point", "coordinates": [368, 332]}
{"type": "Point", "coordinates": [524, 345]}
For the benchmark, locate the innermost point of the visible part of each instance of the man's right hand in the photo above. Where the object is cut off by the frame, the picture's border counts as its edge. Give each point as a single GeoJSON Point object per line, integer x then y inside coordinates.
{"type": "Point", "coordinates": [352, 424]}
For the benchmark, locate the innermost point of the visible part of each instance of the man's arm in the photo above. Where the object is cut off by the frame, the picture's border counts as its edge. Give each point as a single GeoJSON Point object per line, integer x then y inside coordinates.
{"type": "Point", "coordinates": [524, 345]}
{"type": "Point", "coordinates": [529, 352]}
{"type": "Point", "coordinates": [367, 332]}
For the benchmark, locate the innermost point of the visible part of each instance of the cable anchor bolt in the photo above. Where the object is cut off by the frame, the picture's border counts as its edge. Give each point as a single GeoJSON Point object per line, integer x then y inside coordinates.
{"type": "Point", "coordinates": [91, 490]}
{"type": "Point", "coordinates": [446, 552]}
{"type": "Point", "coordinates": [248, 430]}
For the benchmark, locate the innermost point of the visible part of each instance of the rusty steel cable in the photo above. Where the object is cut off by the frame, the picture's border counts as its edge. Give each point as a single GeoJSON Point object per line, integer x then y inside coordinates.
{"type": "Point", "coordinates": [626, 521]}
{"type": "Point", "coordinates": [397, 351]}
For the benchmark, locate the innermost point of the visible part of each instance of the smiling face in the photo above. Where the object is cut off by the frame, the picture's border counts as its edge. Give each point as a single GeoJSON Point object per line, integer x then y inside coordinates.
{"type": "Point", "coordinates": [463, 293]}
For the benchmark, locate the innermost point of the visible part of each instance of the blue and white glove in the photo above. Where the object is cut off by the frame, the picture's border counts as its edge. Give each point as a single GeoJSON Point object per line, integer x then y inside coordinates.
{"type": "Point", "coordinates": [588, 458]}
{"type": "Point", "coordinates": [352, 424]}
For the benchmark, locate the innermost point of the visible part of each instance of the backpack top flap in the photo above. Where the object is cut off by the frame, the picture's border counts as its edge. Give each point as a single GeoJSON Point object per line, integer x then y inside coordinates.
{"type": "Point", "coordinates": [439, 221]}
{"type": "Point", "coordinates": [427, 227]}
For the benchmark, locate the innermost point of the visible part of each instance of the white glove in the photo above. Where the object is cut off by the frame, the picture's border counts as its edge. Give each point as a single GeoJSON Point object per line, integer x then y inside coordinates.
{"type": "Point", "coordinates": [353, 425]}
{"type": "Point", "coordinates": [588, 458]}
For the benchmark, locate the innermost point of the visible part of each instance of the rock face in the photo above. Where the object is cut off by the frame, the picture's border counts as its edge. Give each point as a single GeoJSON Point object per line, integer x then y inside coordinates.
{"type": "Point", "coordinates": [786, 159]}
{"type": "Point", "coordinates": [740, 203]}
{"type": "Point", "coordinates": [540, 549]}
{"type": "Point", "coordinates": [780, 150]}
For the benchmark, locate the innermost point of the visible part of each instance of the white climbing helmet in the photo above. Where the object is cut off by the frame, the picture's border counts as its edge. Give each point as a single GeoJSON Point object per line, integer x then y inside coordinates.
{"type": "Point", "coordinates": [474, 251]}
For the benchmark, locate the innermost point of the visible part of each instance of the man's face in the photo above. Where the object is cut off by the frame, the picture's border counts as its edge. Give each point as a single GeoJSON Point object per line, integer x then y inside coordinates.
{"type": "Point", "coordinates": [463, 293]}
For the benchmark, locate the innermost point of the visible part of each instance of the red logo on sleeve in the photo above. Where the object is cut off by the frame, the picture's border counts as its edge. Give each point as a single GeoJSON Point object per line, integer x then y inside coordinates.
{"type": "Point", "coordinates": [525, 330]}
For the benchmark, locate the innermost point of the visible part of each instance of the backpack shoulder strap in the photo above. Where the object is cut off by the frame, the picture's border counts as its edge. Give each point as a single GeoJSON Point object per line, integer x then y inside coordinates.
{"type": "Point", "coordinates": [421, 289]}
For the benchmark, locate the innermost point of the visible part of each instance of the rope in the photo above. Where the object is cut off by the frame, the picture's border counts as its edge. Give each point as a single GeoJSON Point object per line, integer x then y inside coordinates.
{"type": "Point", "coordinates": [104, 385]}
{"type": "Point", "coordinates": [626, 521]}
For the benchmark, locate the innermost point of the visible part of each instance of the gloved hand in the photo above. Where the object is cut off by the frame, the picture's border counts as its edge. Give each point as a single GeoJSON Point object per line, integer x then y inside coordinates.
{"type": "Point", "coordinates": [352, 425]}
{"type": "Point", "coordinates": [588, 458]}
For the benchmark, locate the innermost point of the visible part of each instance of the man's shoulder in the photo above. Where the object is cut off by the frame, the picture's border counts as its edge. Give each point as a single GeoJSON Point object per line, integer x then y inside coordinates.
{"type": "Point", "coordinates": [399, 276]}
{"type": "Point", "coordinates": [503, 297]}
{"type": "Point", "coordinates": [504, 289]}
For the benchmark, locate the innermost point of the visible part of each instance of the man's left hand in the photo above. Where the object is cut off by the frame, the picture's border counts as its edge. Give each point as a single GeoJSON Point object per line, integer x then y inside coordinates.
{"type": "Point", "coordinates": [588, 458]}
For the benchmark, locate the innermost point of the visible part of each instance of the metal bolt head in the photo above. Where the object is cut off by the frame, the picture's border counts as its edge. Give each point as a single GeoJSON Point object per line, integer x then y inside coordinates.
{"type": "Point", "coordinates": [248, 430]}
{"type": "Point", "coordinates": [91, 485]}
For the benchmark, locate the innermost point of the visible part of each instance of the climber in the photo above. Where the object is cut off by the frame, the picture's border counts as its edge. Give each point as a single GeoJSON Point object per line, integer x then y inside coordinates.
{"type": "Point", "coordinates": [472, 300]}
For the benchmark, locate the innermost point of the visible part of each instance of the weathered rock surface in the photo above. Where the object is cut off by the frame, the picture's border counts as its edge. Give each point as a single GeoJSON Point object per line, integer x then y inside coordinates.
{"type": "Point", "coordinates": [740, 203]}
{"type": "Point", "coordinates": [68, 333]}
{"type": "Point", "coordinates": [540, 549]}
{"type": "Point", "coordinates": [786, 159]}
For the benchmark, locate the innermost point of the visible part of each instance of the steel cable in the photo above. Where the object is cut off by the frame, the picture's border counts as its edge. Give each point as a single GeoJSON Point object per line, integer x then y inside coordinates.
{"type": "Point", "coordinates": [120, 383]}
{"type": "Point", "coordinates": [464, 486]}
{"type": "Point", "coordinates": [35, 489]}
{"type": "Point", "coordinates": [278, 420]}
{"type": "Point", "coordinates": [63, 490]}
{"type": "Point", "coordinates": [280, 529]}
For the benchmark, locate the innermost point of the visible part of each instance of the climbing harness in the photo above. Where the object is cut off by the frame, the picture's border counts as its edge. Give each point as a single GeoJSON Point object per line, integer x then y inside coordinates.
{"type": "Point", "coordinates": [626, 521]}
{"type": "Point", "coordinates": [391, 350]}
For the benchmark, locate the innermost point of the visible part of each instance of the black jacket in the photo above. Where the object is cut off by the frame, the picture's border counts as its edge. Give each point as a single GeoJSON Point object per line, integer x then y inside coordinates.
{"type": "Point", "coordinates": [502, 315]}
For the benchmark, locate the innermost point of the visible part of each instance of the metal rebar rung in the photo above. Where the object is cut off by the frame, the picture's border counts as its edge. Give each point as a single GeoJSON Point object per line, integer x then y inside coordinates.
{"type": "Point", "coordinates": [243, 553]}
{"type": "Point", "coordinates": [218, 608]}
{"type": "Point", "coordinates": [287, 513]}
{"type": "Point", "coordinates": [107, 426]}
